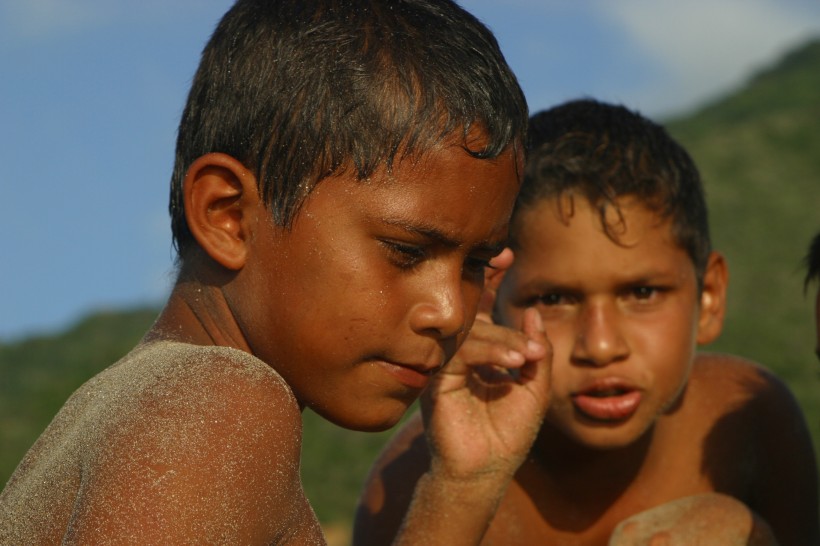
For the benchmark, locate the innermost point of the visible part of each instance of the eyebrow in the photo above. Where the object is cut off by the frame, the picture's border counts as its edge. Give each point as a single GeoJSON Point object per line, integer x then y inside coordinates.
{"type": "Point", "coordinates": [435, 234]}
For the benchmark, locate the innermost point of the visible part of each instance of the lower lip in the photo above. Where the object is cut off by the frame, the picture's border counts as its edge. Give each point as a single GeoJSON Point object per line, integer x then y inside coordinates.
{"type": "Point", "coordinates": [407, 376]}
{"type": "Point", "coordinates": [609, 408]}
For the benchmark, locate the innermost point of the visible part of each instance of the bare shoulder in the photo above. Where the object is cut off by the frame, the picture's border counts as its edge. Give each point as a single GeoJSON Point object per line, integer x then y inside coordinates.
{"type": "Point", "coordinates": [741, 399]}
{"type": "Point", "coordinates": [725, 366]}
{"type": "Point", "coordinates": [736, 380]}
{"type": "Point", "coordinates": [758, 446]}
{"type": "Point", "coordinates": [389, 488]}
{"type": "Point", "coordinates": [179, 385]}
{"type": "Point", "coordinates": [195, 442]}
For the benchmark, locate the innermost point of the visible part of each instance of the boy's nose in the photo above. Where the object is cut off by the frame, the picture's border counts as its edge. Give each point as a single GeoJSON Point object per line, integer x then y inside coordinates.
{"type": "Point", "coordinates": [442, 312]}
{"type": "Point", "coordinates": [599, 340]}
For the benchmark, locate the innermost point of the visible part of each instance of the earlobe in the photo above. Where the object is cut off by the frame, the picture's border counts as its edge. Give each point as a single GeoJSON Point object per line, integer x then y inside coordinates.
{"type": "Point", "coordinates": [713, 299]}
{"type": "Point", "coordinates": [219, 192]}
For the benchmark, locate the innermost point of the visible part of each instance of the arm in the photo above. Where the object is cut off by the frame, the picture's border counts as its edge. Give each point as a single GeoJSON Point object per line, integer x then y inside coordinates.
{"type": "Point", "coordinates": [446, 478]}
{"type": "Point", "coordinates": [478, 433]}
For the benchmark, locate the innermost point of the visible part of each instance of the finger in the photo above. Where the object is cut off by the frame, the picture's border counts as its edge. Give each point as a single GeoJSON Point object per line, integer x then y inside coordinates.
{"type": "Point", "coordinates": [502, 261]}
{"type": "Point", "coordinates": [493, 276]}
{"type": "Point", "coordinates": [497, 338]}
{"type": "Point", "coordinates": [539, 366]}
{"type": "Point", "coordinates": [495, 345]}
{"type": "Point", "coordinates": [487, 353]}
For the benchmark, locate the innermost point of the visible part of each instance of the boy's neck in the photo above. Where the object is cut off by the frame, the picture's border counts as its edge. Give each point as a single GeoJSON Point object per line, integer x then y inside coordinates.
{"type": "Point", "coordinates": [197, 313]}
{"type": "Point", "coordinates": [576, 469]}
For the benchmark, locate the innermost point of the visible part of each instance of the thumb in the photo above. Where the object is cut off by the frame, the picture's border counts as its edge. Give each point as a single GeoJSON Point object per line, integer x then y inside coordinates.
{"type": "Point", "coordinates": [536, 374]}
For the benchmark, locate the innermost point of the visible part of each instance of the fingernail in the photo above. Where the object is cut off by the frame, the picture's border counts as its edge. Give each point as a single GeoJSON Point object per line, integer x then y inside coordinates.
{"type": "Point", "coordinates": [514, 357]}
{"type": "Point", "coordinates": [534, 346]}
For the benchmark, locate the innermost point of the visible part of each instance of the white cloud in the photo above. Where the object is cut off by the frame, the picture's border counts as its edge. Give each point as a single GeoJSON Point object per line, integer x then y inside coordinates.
{"type": "Point", "coordinates": [662, 56]}
{"type": "Point", "coordinates": [705, 47]}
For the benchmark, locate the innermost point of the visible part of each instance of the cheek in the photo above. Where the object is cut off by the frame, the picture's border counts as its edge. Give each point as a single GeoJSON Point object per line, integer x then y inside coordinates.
{"type": "Point", "coordinates": [561, 337]}
{"type": "Point", "coordinates": [472, 297]}
{"type": "Point", "coordinates": [668, 350]}
{"type": "Point", "coordinates": [506, 314]}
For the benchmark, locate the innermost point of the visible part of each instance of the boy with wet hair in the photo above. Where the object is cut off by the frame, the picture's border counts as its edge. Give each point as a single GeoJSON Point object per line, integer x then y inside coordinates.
{"type": "Point", "coordinates": [345, 170]}
{"type": "Point", "coordinates": [644, 439]}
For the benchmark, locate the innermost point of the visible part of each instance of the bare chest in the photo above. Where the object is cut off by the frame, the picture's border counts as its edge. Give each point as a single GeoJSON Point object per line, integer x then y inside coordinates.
{"type": "Point", "coordinates": [583, 508]}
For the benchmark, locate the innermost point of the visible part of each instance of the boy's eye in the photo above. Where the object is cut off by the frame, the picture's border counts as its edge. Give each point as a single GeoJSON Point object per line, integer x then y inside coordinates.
{"type": "Point", "coordinates": [404, 255]}
{"type": "Point", "coordinates": [552, 299]}
{"type": "Point", "coordinates": [549, 299]}
{"type": "Point", "coordinates": [644, 293]}
{"type": "Point", "coordinates": [475, 265]}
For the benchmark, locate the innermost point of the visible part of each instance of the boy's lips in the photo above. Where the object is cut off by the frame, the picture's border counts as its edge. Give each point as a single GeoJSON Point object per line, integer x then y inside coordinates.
{"type": "Point", "coordinates": [415, 376]}
{"type": "Point", "coordinates": [607, 400]}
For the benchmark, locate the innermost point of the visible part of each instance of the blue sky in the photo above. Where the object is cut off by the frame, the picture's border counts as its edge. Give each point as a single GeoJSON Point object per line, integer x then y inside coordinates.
{"type": "Point", "coordinates": [91, 92]}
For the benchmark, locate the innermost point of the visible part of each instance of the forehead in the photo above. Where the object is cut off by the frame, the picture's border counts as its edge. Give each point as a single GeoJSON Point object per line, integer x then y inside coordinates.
{"type": "Point", "coordinates": [445, 189]}
{"type": "Point", "coordinates": [628, 238]}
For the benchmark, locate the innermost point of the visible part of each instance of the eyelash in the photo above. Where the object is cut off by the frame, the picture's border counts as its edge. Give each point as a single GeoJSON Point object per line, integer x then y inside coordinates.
{"type": "Point", "coordinates": [648, 294]}
{"type": "Point", "coordinates": [640, 293]}
{"type": "Point", "coordinates": [552, 298]}
{"type": "Point", "coordinates": [409, 256]}
{"type": "Point", "coordinates": [476, 266]}
{"type": "Point", "coordinates": [643, 292]}
{"type": "Point", "coordinates": [405, 256]}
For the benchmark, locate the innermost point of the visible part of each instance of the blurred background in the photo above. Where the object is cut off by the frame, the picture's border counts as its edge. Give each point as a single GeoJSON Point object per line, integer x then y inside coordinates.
{"type": "Point", "coordinates": [90, 96]}
{"type": "Point", "coordinates": [91, 92]}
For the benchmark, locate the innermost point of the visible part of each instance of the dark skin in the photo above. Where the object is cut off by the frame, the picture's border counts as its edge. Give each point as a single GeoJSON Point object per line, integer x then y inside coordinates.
{"type": "Point", "coordinates": [352, 312]}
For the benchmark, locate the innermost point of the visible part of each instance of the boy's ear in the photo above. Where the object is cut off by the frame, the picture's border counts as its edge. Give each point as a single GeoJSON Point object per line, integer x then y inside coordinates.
{"type": "Point", "coordinates": [219, 193]}
{"type": "Point", "coordinates": [713, 299]}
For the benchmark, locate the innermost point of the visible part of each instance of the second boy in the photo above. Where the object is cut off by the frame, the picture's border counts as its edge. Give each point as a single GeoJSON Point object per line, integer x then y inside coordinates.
{"type": "Point", "coordinates": [611, 240]}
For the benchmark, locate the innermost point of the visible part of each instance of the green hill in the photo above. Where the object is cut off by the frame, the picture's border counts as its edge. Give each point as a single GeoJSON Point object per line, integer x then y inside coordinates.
{"type": "Point", "coordinates": [759, 152]}
{"type": "Point", "coordinates": [39, 373]}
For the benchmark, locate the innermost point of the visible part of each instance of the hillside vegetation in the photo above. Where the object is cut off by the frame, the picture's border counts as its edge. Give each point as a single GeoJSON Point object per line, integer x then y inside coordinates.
{"type": "Point", "coordinates": [759, 152]}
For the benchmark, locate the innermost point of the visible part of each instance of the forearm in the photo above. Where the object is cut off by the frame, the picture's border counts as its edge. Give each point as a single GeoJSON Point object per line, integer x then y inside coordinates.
{"type": "Point", "coordinates": [451, 512]}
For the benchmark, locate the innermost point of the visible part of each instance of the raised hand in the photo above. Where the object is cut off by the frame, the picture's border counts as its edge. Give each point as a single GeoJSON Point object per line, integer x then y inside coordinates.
{"type": "Point", "coordinates": [481, 415]}
{"type": "Point", "coordinates": [483, 410]}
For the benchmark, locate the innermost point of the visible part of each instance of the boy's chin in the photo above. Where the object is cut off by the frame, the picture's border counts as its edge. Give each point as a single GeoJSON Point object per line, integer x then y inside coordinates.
{"type": "Point", "coordinates": [365, 419]}
{"type": "Point", "coordinates": [609, 436]}
{"type": "Point", "coordinates": [616, 439]}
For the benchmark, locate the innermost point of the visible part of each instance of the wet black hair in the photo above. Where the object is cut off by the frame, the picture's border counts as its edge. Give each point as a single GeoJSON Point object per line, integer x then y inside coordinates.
{"type": "Point", "coordinates": [602, 152]}
{"type": "Point", "coordinates": [298, 90]}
